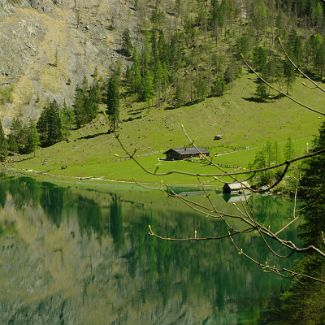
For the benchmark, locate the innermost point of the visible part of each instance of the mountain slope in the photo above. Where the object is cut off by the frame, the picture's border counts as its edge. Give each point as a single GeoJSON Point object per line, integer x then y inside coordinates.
{"type": "Point", "coordinates": [47, 47]}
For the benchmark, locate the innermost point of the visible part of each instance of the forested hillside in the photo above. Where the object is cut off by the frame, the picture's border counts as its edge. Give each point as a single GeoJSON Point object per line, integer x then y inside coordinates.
{"type": "Point", "coordinates": [173, 52]}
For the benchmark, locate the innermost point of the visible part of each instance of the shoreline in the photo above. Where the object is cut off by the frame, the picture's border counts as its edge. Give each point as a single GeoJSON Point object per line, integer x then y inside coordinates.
{"type": "Point", "coordinates": [102, 183]}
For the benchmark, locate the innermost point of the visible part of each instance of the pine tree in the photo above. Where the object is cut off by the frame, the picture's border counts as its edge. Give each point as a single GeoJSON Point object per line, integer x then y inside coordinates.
{"type": "Point", "coordinates": [259, 16]}
{"type": "Point", "coordinates": [49, 125]}
{"type": "Point", "coordinates": [79, 108]}
{"type": "Point", "coordinates": [91, 103]}
{"type": "Point", "coordinates": [42, 127]}
{"type": "Point", "coordinates": [218, 87]}
{"type": "Point", "coordinates": [33, 139]}
{"type": "Point", "coordinates": [67, 120]}
{"type": "Point", "coordinates": [261, 90]}
{"type": "Point", "coordinates": [260, 60]}
{"type": "Point", "coordinates": [179, 94]}
{"type": "Point", "coordinates": [201, 86]}
{"type": "Point", "coordinates": [289, 151]}
{"type": "Point", "coordinates": [15, 137]}
{"type": "Point", "coordinates": [54, 124]}
{"type": "Point", "coordinates": [148, 86]}
{"type": "Point", "coordinates": [312, 187]}
{"type": "Point", "coordinates": [276, 152]}
{"type": "Point", "coordinates": [3, 144]}
{"type": "Point", "coordinates": [126, 43]}
{"type": "Point", "coordinates": [134, 78]}
{"type": "Point", "coordinates": [113, 100]}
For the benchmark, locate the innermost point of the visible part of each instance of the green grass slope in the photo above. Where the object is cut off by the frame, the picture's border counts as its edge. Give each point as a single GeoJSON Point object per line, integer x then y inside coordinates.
{"type": "Point", "coordinates": [245, 125]}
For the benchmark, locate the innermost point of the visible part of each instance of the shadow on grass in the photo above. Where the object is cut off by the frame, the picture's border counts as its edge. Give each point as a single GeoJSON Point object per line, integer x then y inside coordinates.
{"type": "Point", "coordinates": [193, 102]}
{"type": "Point", "coordinates": [130, 119]}
{"type": "Point", "coordinates": [256, 99]}
{"type": "Point", "coordinates": [92, 136]}
{"type": "Point", "coordinates": [269, 99]}
{"type": "Point", "coordinates": [24, 159]}
{"type": "Point", "coordinates": [314, 76]}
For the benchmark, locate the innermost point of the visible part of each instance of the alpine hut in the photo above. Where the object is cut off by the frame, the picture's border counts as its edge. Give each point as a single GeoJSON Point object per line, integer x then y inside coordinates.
{"type": "Point", "coordinates": [185, 153]}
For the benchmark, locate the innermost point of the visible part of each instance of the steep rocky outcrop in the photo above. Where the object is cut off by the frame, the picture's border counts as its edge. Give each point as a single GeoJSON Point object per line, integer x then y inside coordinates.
{"type": "Point", "coordinates": [48, 46]}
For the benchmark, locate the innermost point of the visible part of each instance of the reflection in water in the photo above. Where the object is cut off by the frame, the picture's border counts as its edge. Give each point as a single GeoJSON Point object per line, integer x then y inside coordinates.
{"type": "Point", "coordinates": [51, 201]}
{"type": "Point", "coordinates": [116, 222]}
{"type": "Point", "coordinates": [90, 217]}
{"type": "Point", "coordinates": [85, 258]}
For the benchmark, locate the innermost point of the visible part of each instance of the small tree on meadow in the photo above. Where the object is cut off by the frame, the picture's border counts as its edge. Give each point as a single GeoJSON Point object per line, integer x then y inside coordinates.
{"type": "Point", "coordinates": [113, 100]}
{"type": "Point", "coordinates": [33, 138]}
{"type": "Point", "coordinates": [289, 151]}
{"type": "Point", "coordinates": [49, 125]}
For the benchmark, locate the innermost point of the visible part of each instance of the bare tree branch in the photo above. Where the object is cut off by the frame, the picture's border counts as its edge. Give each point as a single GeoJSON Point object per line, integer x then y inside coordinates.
{"type": "Point", "coordinates": [153, 234]}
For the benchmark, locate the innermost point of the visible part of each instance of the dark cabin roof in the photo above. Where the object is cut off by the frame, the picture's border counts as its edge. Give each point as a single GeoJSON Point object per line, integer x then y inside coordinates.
{"type": "Point", "coordinates": [188, 151]}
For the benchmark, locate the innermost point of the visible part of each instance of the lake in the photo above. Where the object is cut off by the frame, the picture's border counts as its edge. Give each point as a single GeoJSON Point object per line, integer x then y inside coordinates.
{"type": "Point", "coordinates": [74, 256]}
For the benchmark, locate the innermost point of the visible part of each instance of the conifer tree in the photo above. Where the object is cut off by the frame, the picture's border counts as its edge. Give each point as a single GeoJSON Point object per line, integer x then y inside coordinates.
{"type": "Point", "coordinates": [134, 77]}
{"type": "Point", "coordinates": [49, 125]}
{"type": "Point", "coordinates": [218, 87]}
{"type": "Point", "coordinates": [67, 118]}
{"type": "Point", "coordinates": [126, 43]}
{"type": "Point", "coordinates": [79, 108]}
{"type": "Point", "coordinates": [261, 90]}
{"type": "Point", "coordinates": [91, 103]}
{"type": "Point", "coordinates": [33, 139]}
{"type": "Point", "coordinates": [179, 94]}
{"type": "Point", "coordinates": [113, 100]}
{"type": "Point", "coordinates": [54, 124]}
{"type": "Point", "coordinates": [289, 151]}
{"type": "Point", "coordinates": [148, 86]}
{"type": "Point", "coordinates": [15, 137]}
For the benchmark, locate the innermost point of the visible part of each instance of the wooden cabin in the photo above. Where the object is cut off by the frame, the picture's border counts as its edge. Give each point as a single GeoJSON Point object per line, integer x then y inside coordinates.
{"type": "Point", "coordinates": [237, 187]}
{"type": "Point", "coordinates": [185, 153]}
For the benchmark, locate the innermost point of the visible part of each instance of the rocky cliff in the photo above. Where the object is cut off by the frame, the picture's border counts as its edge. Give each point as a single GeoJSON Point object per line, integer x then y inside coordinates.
{"type": "Point", "coordinates": [48, 46]}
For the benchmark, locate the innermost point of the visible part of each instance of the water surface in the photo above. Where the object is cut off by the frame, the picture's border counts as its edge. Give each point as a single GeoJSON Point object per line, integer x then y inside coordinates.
{"type": "Point", "coordinates": [70, 256]}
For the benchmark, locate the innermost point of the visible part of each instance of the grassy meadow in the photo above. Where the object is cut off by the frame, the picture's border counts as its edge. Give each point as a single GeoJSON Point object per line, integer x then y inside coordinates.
{"type": "Point", "coordinates": [246, 125]}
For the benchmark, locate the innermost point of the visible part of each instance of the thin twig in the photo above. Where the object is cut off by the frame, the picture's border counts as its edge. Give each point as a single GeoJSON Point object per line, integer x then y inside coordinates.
{"type": "Point", "coordinates": [153, 234]}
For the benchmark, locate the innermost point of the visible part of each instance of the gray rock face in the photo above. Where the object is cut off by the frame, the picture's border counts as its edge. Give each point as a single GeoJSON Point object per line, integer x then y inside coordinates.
{"type": "Point", "coordinates": [48, 46]}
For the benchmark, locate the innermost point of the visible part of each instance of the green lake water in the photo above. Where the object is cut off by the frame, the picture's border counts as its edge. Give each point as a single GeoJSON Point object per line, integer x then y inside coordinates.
{"type": "Point", "coordinates": [71, 256]}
